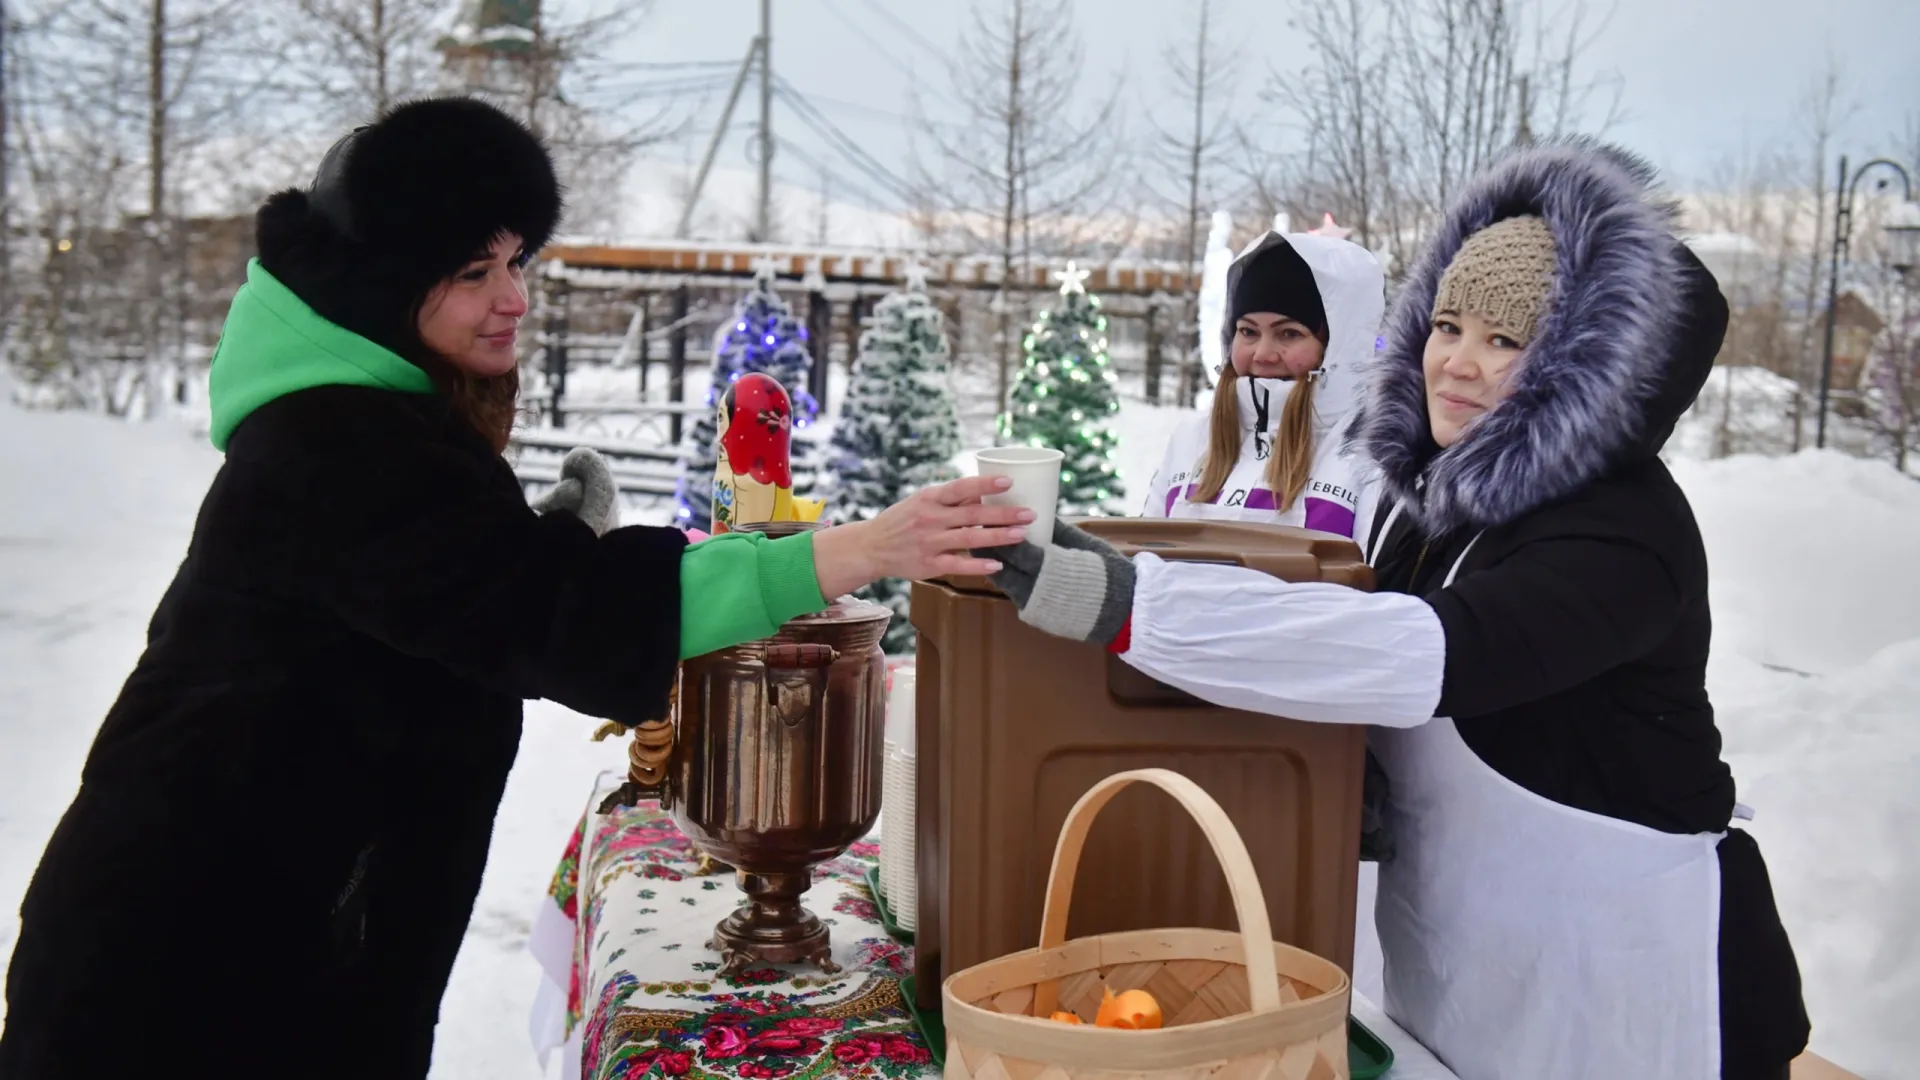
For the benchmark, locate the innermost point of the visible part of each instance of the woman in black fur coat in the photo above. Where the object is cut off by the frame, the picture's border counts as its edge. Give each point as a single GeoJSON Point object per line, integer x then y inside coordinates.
{"type": "Point", "coordinates": [1566, 895]}
{"type": "Point", "coordinates": [282, 824]}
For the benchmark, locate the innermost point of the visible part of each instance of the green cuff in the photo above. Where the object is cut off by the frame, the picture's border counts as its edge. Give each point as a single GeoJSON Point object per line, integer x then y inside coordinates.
{"type": "Point", "coordinates": [788, 582]}
{"type": "Point", "coordinates": [740, 587]}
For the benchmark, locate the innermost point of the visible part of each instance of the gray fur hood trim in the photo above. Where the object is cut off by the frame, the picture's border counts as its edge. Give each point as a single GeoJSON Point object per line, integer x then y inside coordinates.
{"type": "Point", "coordinates": [1588, 382]}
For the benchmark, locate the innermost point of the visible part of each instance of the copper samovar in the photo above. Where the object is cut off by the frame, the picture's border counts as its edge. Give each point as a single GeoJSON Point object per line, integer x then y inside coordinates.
{"type": "Point", "coordinates": [771, 764]}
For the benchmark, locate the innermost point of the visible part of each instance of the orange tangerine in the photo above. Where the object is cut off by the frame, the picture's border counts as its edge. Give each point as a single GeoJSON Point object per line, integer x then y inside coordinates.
{"type": "Point", "coordinates": [1130, 1010]}
{"type": "Point", "coordinates": [1061, 1016]}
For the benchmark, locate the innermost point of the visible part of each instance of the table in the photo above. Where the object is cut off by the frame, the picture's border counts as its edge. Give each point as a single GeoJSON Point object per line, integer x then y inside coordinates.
{"type": "Point", "coordinates": [624, 934]}
{"type": "Point", "coordinates": [631, 991]}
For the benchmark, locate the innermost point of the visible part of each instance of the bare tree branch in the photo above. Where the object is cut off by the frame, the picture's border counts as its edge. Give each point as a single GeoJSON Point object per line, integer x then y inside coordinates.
{"type": "Point", "coordinates": [1189, 154]}
{"type": "Point", "coordinates": [1028, 173]}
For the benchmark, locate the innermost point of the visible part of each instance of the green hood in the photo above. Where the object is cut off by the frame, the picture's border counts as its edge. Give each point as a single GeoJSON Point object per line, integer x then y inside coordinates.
{"type": "Point", "coordinates": [274, 344]}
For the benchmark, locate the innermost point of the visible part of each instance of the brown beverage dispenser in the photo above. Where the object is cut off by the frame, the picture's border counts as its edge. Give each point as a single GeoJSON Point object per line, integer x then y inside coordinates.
{"type": "Point", "coordinates": [770, 764]}
{"type": "Point", "coordinates": [1013, 725]}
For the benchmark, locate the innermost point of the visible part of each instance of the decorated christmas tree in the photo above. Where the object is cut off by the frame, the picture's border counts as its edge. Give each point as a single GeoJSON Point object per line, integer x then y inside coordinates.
{"type": "Point", "coordinates": [1065, 399]}
{"type": "Point", "coordinates": [763, 336]}
{"type": "Point", "coordinates": [898, 429]}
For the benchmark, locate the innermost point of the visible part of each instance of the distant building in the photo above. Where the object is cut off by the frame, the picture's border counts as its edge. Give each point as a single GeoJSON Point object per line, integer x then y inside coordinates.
{"type": "Point", "coordinates": [491, 50]}
{"type": "Point", "coordinates": [1855, 327]}
{"type": "Point", "coordinates": [1740, 264]}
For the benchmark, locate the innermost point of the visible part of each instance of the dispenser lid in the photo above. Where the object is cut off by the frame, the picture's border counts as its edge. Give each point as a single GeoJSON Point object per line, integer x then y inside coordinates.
{"type": "Point", "coordinates": [1287, 552]}
{"type": "Point", "coordinates": [846, 609]}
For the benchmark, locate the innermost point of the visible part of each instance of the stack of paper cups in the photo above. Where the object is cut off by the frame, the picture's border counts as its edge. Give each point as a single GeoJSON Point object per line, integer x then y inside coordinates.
{"type": "Point", "coordinates": [898, 881]}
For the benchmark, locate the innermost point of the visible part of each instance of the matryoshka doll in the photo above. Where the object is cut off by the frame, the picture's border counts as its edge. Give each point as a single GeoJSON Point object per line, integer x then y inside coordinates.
{"type": "Point", "coordinates": [754, 469]}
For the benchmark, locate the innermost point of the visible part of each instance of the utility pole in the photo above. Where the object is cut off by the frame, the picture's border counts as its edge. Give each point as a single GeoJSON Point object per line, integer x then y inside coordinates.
{"type": "Point", "coordinates": [1842, 226]}
{"type": "Point", "coordinates": [157, 338]}
{"type": "Point", "coordinates": [1190, 303]}
{"type": "Point", "coordinates": [157, 114]}
{"type": "Point", "coordinates": [1523, 133]}
{"type": "Point", "coordinates": [6, 199]}
{"type": "Point", "coordinates": [761, 232]}
{"type": "Point", "coordinates": [535, 69]}
{"type": "Point", "coordinates": [379, 58]}
{"type": "Point", "coordinates": [713, 144]}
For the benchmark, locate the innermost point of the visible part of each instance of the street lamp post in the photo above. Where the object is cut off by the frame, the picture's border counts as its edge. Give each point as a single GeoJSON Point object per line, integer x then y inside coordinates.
{"type": "Point", "coordinates": [1904, 239]}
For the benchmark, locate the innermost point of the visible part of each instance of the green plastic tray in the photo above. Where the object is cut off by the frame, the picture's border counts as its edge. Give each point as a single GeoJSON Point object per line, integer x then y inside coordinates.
{"type": "Point", "coordinates": [1367, 1057]}
{"type": "Point", "coordinates": [932, 1028]}
{"type": "Point", "coordinates": [887, 920]}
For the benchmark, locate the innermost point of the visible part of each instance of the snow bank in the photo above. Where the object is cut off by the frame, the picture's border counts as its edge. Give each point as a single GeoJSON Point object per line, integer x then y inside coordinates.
{"type": "Point", "coordinates": [1832, 766]}
{"type": "Point", "coordinates": [1812, 556]}
{"type": "Point", "coordinates": [1816, 677]}
{"type": "Point", "coordinates": [94, 517]}
{"type": "Point", "coordinates": [1749, 410]}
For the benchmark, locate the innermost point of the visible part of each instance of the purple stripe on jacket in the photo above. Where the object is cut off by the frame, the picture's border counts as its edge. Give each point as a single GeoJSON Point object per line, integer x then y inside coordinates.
{"type": "Point", "coordinates": [1325, 516]}
{"type": "Point", "coordinates": [1322, 515]}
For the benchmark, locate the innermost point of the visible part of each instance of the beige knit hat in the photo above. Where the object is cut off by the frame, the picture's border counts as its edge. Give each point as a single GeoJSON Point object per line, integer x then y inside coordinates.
{"type": "Point", "coordinates": [1503, 273]}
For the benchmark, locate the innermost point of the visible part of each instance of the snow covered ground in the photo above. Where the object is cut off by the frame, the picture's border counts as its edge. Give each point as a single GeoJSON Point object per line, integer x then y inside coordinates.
{"type": "Point", "coordinates": [1816, 672]}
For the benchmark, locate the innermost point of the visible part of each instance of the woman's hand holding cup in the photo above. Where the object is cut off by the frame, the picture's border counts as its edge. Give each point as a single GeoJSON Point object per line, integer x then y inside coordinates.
{"type": "Point", "coordinates": [929, 534]}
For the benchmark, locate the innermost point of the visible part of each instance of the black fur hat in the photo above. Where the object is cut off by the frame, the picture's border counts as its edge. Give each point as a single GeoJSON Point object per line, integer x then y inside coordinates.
{"type": "Point", "coordinates": [399, 206]}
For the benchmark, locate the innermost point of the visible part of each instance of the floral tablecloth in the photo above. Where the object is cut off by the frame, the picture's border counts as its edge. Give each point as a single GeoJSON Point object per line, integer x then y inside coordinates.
{"type": "Point", "coordinates": [632, 990]}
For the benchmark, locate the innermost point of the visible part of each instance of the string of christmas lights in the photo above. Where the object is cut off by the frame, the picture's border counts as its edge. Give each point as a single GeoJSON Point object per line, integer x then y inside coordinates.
{"type": "Point", "coordinates": [1066, 397]}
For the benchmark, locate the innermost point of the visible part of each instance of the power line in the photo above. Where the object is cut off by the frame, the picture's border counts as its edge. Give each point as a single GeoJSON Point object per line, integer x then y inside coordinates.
{"type": "Point", "coordinates": [658, 87]}
{"type": "Point", "coordinates": [855, 106]}
{"type": "Point", "coordinates": [666, 65]}
{"type": "Point", "coordinates": [881, 10]}
{"type": "Point", "coordinates": [885, 53]}
{"type": "Point", "coordinates": [886, 182]}
{"type": "Point", "coordinates": [853, 154]}
{"type": "Point", "coordinates": [821, 167]}
{"type": "Point", "coordinates": [839, 140]}
{"type": "Point", "coordinates": [887, 114]}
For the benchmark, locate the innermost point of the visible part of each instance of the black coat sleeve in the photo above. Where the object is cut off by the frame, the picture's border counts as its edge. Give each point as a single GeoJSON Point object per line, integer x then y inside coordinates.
{"type": "Point", "coordinates": [432, 550]}
{"type": "Point", "coordinates": [1554, 613]}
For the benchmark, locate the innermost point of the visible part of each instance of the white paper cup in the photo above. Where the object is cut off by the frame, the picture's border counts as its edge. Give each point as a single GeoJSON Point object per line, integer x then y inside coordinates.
{"type": "Point", "coordinates": [1035, 472]}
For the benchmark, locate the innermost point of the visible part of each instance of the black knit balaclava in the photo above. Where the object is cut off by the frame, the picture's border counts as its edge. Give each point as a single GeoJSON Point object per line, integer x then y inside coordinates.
{"type": "Point", "coordinates": [1278, 281]}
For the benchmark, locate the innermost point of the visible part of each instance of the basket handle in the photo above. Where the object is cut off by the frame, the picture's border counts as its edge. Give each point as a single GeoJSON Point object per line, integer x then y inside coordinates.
{"type": "Point", "coordinates": [1249, 903]}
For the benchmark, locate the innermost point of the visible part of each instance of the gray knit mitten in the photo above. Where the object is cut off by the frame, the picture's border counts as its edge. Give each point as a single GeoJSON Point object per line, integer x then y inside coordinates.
{"type": "Point", "coordinates": [585, 490]}
{"type": "Point", "coordinates": [1076, 587]}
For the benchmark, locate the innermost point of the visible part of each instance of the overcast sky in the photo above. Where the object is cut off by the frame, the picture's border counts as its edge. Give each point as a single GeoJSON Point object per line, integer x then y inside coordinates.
{"type": "Point", "coordinates": [1701, 80]}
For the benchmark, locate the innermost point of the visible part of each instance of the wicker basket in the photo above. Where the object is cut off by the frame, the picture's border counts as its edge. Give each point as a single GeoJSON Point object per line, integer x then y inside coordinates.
{"type": "Point", "coordinates": [1236, 1005]}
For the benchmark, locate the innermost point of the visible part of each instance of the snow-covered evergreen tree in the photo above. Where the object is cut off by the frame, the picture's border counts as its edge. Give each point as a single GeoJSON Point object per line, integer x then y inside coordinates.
{"type": "Point", "coordinates": [898, 430]}
{"type": "Point", "coordinates": [764, 336]}
{"type": "Point", "coordinates": [1066, 396]}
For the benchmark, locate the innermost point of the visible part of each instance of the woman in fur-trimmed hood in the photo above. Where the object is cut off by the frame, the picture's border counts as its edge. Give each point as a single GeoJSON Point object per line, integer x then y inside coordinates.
{"type": "Point", "coordinates": [1566, 894]}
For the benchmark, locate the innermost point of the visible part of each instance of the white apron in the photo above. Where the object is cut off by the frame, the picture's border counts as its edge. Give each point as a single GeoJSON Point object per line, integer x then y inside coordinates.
{"type": "Point", "coordinates": [1526, 940]}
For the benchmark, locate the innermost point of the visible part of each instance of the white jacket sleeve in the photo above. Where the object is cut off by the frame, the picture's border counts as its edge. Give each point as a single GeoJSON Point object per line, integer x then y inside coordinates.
{"type": "Point", "coordinates": [1309, 650]}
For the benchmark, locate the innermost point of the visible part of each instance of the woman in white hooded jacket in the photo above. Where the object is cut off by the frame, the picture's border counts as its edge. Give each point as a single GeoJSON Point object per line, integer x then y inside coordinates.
{"type": "Point", "coordinates": [1303, 314]}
